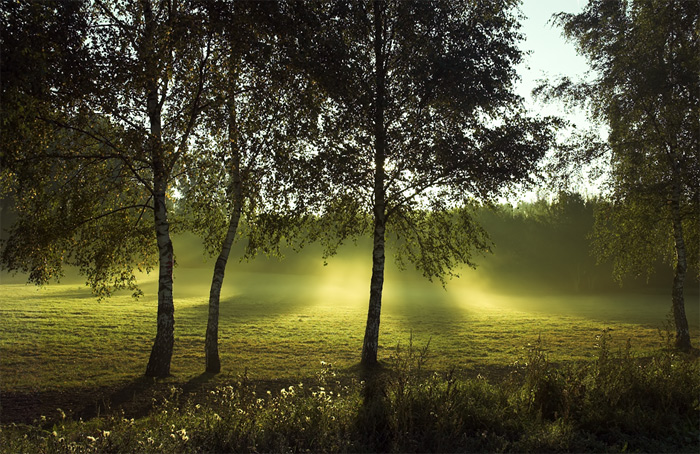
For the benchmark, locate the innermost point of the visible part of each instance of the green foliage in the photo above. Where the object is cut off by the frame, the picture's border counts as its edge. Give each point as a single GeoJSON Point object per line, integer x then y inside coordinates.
{"type": "Point", "coordinates": [82, 170]}
{"type": "Point", "coordinates": [438, 242]}
{"type": "Point", "coordinates": [645, 57]}
{"type": "Point", "coordinates": [256, 122]}
{"type": "Point", "coordinates": [613, 404]}
{"type": "Point", "coordinates": [69, 214]}
{"type": "Point", "coordinates": [418, 118]}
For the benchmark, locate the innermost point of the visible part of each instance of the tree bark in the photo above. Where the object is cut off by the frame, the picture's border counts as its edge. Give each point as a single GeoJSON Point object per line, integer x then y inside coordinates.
{"type": "Point", "coordinates": [680, 271]}
{"type": "Point", "coordinates": [371, 340]}
{"type": "Point", "coordinates": [162, 351]}
{"type": "Point", "coordinates": [211, 343]}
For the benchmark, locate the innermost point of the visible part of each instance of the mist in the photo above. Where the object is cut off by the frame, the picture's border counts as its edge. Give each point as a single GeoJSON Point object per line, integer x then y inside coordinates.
{"type": "Point", "coordinates": [537, 266]}
{"type": "Point", "coordinates": [541, 263]}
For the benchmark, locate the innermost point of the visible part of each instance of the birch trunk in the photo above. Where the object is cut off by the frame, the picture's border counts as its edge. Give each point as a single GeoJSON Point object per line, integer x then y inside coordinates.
{"type": "Point", "coordinates": [211, 343]}
{"type": "Point", "coordinates": [162, 351]}
{"type": "Point", "coordinates": [371, 340]}
{"type": "Point", "coordinates": [680, 271]}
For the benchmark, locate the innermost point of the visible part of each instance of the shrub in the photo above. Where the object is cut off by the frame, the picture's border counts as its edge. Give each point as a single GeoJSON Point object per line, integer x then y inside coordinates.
{"type": "Point", "coordinates": [615, 403]}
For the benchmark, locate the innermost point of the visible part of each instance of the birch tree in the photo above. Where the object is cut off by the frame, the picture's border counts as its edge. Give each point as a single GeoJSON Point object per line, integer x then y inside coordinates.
{"type": "Point", "coordinates": [646, 58]}
{"type": "Point", "coordinates": [96, 194]}
{"type": "Point", "coordinates": [420, 123]}
{"type": "Point", "coordinates": [259, 112]}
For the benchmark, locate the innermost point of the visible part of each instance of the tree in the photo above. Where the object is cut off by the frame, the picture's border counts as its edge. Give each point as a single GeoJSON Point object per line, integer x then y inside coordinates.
{"type": "Point", "coordinates": [113, 153]}
{"type": "Point", "coordinates": [258, 114]}
{"type": "Point", "coordinates": [420, 122]}
{"type": "Point", "coordinates": [646, 59]}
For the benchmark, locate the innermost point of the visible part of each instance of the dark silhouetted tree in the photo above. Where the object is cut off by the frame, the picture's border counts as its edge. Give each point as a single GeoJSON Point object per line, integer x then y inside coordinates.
{"type": "Point", "coordinates": [646, 60]}
{"type": "Point", "coordinates": [420, 122]}
{"type": "Point", "coordinates": [112, 149]}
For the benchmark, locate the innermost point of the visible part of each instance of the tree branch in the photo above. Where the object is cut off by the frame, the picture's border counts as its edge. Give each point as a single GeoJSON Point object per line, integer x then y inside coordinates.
{"type": "Point", "coordinates": [143, 207]}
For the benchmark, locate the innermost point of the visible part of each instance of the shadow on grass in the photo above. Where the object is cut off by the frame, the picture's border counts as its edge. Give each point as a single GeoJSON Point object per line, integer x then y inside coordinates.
{"type": "Point", "coordinates": [49, 407]}
{"type": "Point", "coordinates": [131, 397]}
{"type": "Point", "coordinates": [374, 415]}
{"type": "Point", "coordinates": [196, 383]}
{"type": "Point", "coordinates": [138, 397]}
{"type": "Point", "coordinates": [247, 309]}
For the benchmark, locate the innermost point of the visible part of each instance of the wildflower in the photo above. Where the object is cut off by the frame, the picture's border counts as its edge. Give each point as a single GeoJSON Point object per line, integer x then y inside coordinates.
{"type": "Point", "coordinates": [91, 439]}
{"type": "Point", "coordinates": [105, 433]}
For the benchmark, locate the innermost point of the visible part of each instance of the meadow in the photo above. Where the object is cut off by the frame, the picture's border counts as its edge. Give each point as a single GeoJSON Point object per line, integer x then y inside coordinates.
{"type": "Point", "coordinates": [67, 357]}
{"type": "Point", "coordinates": [281, 325]}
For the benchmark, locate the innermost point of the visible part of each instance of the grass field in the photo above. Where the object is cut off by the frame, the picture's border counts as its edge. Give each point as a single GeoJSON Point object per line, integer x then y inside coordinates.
{"type": "Point", "coordinates": [281, 325]}
{"type": "Point", "coordinates": [65, 354]}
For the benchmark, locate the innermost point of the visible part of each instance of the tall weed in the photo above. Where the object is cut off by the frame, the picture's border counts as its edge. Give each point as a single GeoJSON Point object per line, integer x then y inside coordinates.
{"type": "Point", "coordinates": [615, 403]}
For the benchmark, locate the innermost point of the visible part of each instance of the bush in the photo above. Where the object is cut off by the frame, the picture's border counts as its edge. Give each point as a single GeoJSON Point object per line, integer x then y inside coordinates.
{"type": "Point", "coordinates": [614, 403]}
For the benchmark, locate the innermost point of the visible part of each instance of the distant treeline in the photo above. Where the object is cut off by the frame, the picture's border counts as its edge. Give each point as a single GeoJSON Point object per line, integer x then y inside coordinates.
{"type": "Point", "coordinates": [539, 246]}
{"type": "Point", "coordinates": [547, 245]}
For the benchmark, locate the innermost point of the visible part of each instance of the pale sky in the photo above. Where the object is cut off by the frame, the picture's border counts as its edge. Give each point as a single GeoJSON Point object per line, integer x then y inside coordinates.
{"type": "Point", "coordinates": [552, 55]}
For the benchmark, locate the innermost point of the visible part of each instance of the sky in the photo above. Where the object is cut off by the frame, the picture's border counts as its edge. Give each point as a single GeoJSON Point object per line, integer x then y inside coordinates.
{"type": "Point", "coordinates": [552, 55]}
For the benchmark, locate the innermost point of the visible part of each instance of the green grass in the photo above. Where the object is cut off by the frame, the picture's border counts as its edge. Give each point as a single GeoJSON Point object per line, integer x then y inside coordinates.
{"type": "Point", "coordinates": [75, 361]}
{"type": "Point", "coordinates": [280, 326]}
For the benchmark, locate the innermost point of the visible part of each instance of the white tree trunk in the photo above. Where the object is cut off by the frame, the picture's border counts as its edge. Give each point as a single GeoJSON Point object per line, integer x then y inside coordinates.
{"type": "Point", "coordinates": [680, 271]}
{"type": "Point", "coordinates": [371, 341]}
{"type": "Point", "coordinates": [162, 351]}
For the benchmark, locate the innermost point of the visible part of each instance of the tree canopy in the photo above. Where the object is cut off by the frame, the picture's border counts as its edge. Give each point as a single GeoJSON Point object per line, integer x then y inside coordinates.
{"type": "Point", "coordinates": [119, 121]}
{"type": "Point", "coordinates": [646, 58]}
{"type": "Point", "coordinates": [420, 121]}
